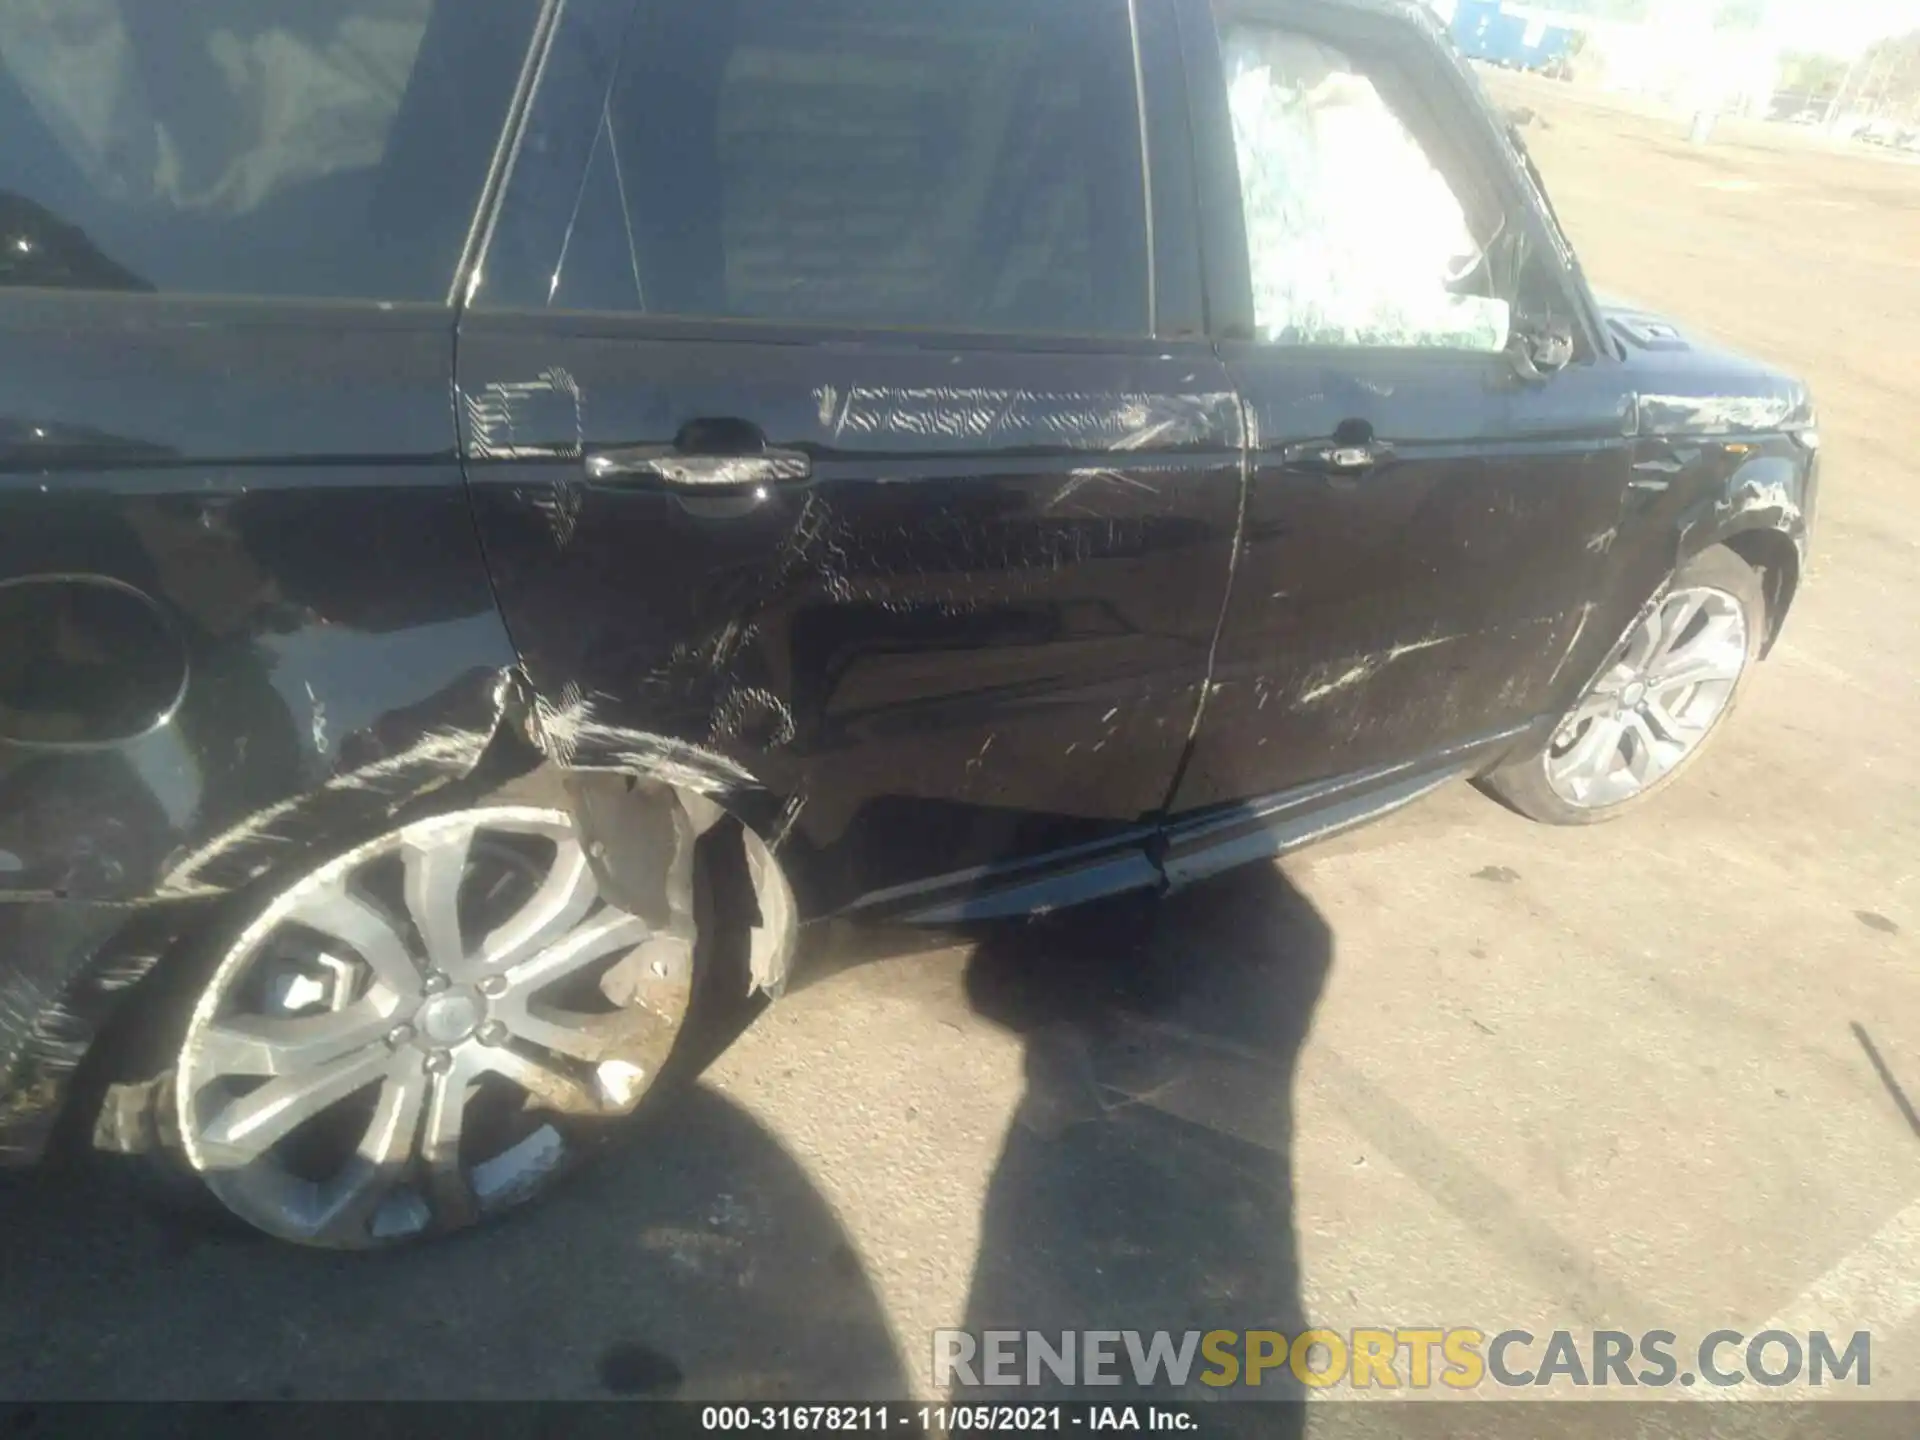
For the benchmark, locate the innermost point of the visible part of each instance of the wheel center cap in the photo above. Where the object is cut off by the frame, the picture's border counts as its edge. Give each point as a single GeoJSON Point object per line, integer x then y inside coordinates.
{"type": "Point", "coordinates": [449, 1019]}
{"type": "Point", "coordinates": [1633, 694]}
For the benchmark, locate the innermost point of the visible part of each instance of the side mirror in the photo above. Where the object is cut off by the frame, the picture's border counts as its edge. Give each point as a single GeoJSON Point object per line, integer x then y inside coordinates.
{"type": "Point", "coordinates": [1539, 349]}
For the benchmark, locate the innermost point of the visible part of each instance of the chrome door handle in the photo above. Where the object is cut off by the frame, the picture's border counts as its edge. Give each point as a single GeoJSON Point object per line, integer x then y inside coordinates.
{"type": "Point", "coordinates": [1336, 459]}
{"type": "Point", "coordinates": [674, 466]}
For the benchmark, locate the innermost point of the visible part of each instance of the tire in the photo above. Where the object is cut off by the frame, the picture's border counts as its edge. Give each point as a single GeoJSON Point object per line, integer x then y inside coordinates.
{"type": "Point", "coordinates": [1546, 784]}
{"type": "Point", "coordinates": [414, 1034]}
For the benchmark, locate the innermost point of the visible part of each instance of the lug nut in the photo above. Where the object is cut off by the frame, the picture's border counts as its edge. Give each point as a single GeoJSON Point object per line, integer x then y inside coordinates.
{"type": "Point", "coordinates": [439, 1062]}
{"type": "Point", "coordinates": [434, 982]}
{"type": "Point", "coordinates": [400, 1035]}
{"type": "Point", "coordinates": [493, 986]}
{"type": "Point", "coordinates": [491, 1033]}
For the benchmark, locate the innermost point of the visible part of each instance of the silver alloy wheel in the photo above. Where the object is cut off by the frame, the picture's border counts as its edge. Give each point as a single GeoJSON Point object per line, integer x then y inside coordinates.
{"type": "Point", "coordinates": [387, 1048]}
{"type": "Point", "coordinates": [1655, 704]}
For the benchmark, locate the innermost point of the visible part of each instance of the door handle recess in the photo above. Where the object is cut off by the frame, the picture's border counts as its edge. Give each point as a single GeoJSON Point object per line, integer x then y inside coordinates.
{"type": "Point", "coordinates": [674, 466]}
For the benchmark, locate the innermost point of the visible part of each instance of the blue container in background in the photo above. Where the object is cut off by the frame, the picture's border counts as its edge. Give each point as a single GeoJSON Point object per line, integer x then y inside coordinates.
{"type": "Point", "coordinates": [1486, 30]}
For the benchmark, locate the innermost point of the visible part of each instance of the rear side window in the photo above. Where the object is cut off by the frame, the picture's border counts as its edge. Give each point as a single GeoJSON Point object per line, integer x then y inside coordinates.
{"type": "Point", "coordinates": [249, 147]}
{"type": "Point", "coordinates": [877, 163]}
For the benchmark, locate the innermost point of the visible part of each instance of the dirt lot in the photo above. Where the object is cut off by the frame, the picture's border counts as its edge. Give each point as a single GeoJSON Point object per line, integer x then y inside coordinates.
{"type": "Point", "coordinates": [1456, 1069]}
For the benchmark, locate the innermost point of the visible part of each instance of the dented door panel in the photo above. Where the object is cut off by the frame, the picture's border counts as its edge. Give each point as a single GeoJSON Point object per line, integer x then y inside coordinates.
{"type": "Point", "coordinates": [1438, 596]}
{"type": "Point", "coordinates": [190, 666]}
{"type": "Point", "coordinates": [915, 550]}
{"type": "Point", "coordinates": [975, 634]}
{"type": "Point", "coordinates": [243, 617]}
{"type": "Point", "coordinates": [1428, 526]}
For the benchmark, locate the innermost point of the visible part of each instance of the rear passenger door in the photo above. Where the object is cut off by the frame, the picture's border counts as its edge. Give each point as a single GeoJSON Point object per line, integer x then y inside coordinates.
{"type": "Point", "coordinates": [838, 427]}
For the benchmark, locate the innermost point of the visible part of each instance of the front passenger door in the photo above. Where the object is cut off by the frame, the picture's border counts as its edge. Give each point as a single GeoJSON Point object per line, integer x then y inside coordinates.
{"type": "Point", "coordinates": [1425, 528]}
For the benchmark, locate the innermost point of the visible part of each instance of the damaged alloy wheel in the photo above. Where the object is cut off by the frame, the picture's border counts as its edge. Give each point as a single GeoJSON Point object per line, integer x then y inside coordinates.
{"type": "Point", "coordinates": [418, 1035]}
{"type": "Point", "coordinates": [1664, 693]}
{"type": "Point", "coordinates": [1655, 703]}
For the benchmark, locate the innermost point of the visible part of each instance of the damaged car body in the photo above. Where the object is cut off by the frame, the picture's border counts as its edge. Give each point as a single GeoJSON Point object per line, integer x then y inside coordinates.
{"type": "Point", "coordinates": [636, 473]}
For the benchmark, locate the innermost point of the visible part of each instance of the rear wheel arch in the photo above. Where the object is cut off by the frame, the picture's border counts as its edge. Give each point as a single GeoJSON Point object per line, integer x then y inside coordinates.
{"type": "Point", "coordinates": [662, 847]}
{"type": "Point", "coordinates": [716, 844]}
{"type": "Point", "coordinates": [617, 778]}
{"type": "Point", "coordinates": [717, 911]}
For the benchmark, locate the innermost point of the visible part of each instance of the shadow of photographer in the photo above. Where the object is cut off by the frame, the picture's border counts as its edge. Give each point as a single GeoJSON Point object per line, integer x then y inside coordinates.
{"type": "Point", "coordinates": [1145, 1181]}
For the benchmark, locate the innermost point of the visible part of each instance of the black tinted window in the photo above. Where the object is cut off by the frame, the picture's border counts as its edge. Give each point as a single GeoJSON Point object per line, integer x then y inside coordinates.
{"type": "Point", "coordinates": [265, 147]}
{"type": "Point", "coordinates": [858, 162]}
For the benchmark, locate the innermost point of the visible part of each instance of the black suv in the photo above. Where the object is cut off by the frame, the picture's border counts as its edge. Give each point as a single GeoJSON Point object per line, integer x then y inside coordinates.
{"type": "Point", "coordinates": [509, 503]}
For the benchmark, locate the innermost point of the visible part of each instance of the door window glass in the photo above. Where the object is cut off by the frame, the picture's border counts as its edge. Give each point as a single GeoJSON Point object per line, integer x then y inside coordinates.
{"type": "Point", "coordinates": [1354, 236]}
{"type": "Point", "coordinates": [865, 163]}
{"type": "Point", "coordinates": [259, 147]}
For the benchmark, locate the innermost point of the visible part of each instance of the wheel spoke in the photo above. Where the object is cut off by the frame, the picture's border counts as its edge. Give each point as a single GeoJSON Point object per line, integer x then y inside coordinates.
{"type": "Point", "coordinates": [1720, 640]}
{"type": "Point", "coordinates": [1644, 643]}
{"type": "Point", "coordinates": [1595, 706]}
{"type": "Point", "coordinates": [615, 1035]}
{"type": "Point", "coordinates": [1647, 758]}
{"type": "Point", "coordinates": [607, 932]}
{"type": "Point", "coordinates": [1592, 755]}
{"type": "Point", "coordinates": [339, 913]}
{"type": "Point", "coordinates": [560, 903]}
{"type": "Point", "coordinates": [434, 870]}
{"type": "Point", "coordinates": [276, 1045]}
{"type": "Point", "coordinates": [1669, 726]}
{"type": "Point", "coordinates": [385, 1151]}
{"type": "Point", "coordinates": [1639, 753]}
{"type": "Point", "coordinates": [452, 1196]}
{"type": "Point", "coordinates": [247, 1127]}
{"type": "Point", "coordinates": [550, 1086]}
{"type": "Point", "coordinates": [1722, 631]}
{"type": "Point", "coordinates": [1678, 614]}
{"type": "Point", "coordinates": [1696, 670]}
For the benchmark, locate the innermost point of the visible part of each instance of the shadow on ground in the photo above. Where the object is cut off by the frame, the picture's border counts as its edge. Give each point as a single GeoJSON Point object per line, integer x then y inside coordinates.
{"type": "Point", "coordinates": [1145, 1181]}
{"type": "Point", "coordinates": [696, 1262]}
{"type": "Point", "coordinates": [1143, 1185]}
